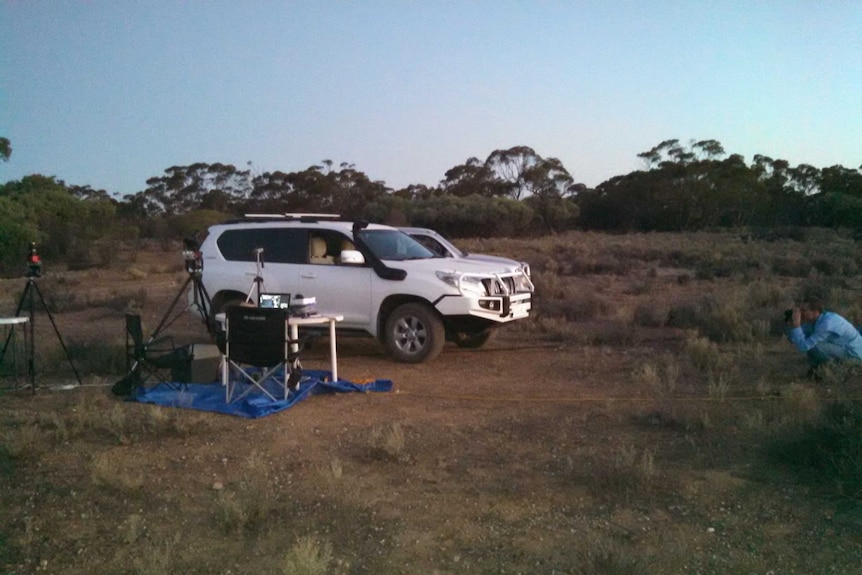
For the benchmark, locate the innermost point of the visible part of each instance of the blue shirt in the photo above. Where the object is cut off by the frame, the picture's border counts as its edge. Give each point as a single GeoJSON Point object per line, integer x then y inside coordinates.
{"type": "Point", "coordinates": [829, 328]}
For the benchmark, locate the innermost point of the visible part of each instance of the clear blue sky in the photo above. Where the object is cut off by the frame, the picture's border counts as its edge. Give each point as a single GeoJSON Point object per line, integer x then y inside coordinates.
{"type": "Point", "coordinates": [109, 93]}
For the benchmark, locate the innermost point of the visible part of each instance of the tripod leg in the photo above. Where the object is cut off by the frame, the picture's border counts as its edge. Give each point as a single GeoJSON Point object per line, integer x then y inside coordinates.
{"type": "Point", "coordinates": [204, 304]}
{"type": "Point", "coordinates": [164, 322]}
{"type": "Point", "coordinates": [31, 345]}
{"type": "Point", "coordinates": [254, 287]}
{"type": "Point", "coordinates": [201, 300]}
{"type": "Point", "coordinates": [56, 331]}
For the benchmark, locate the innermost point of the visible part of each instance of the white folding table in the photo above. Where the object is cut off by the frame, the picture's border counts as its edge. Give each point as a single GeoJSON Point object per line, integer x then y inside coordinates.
{"type": "Point", "coordinates": [318, 319]}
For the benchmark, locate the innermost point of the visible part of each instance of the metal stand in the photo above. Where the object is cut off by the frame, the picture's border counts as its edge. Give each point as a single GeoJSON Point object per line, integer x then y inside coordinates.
{"type": "Point", "coordinates": [200, 301]}
{"type": "Point", "coordinates": [28, 299]}
{"type": "Point", "coordinates": [257, 283]}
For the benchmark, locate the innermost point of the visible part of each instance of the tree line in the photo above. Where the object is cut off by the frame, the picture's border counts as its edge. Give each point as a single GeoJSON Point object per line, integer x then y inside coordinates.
{"type": "Point", "coordinates": [699, 186]}
{"type": "Point", "coordinates": [513, 191]}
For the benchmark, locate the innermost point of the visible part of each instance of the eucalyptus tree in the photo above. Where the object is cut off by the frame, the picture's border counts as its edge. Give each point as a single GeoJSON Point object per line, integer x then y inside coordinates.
{"type": "Point", "coordinates": [89, 194]}
{"type": "Point", "coordinates": [839, 199]}
{"type": "Point", "coordinates": [271, 192]}
{"type": "Point", "coordinates": [5, 149]}
{"type": "Point", "coordinates": [318, 188]}
{"type": "Point", "coordinates": [840, 180]}
{"type": "Point", "coordinates": [473, 177]}
{"type": "Point", "coordinates": [551, 190]}
{"type": "Point", "coordinates": [417, 192]}
{"type": "Point", "coordinates": [356, 190]}
{"type": "Point", "coordinates": [521, 172]}
{"type": "Point", "coordinates": [186, 188]}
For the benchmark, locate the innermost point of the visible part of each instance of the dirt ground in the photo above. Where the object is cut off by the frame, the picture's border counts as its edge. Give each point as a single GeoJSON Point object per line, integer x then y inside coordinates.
{"type": "Point", "coordinates": [528, 456]}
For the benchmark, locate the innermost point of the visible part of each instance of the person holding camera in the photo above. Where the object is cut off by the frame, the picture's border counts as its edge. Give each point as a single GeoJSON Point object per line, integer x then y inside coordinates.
{"type": "Point", "coordinates": [822, 335]}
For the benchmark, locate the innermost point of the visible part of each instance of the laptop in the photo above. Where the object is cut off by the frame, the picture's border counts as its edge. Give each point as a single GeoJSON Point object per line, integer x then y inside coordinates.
{"type": "Point", "coordinates": [275, 300]}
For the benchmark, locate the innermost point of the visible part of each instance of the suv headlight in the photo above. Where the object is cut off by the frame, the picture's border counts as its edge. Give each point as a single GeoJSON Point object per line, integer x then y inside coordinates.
{"type": "Point", "coordinates": [462, 282]}
{"type": "Point", "coordinates": [523, 283]}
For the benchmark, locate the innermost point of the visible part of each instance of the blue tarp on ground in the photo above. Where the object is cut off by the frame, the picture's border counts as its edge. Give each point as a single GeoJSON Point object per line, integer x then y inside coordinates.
{"type": "Point", "coordinates": [211, 396]}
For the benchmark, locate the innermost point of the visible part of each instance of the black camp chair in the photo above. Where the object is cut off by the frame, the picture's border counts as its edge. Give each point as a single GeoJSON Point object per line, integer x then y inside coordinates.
{"type": "Point", "coordinates": [156, 359]}
{"type": "Point", "coordinates": [258, 348]}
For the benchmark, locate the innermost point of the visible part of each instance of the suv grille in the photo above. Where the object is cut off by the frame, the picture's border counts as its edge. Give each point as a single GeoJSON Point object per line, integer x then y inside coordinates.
{"type": "Point", "coordinates": [500, 286]}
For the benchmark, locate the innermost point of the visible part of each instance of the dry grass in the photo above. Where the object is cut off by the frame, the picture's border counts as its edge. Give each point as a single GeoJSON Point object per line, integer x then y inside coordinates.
{"type": "Point", "coordinates": [691, 442]}
{"type": "Point", "coordinates": [387, 442]}
{"type": "Point", "coordinates": [110, 470]}
{"type": "Point", "coordinates": [245, 504]}
{"type": "Point", "coordinates": [156, 558]}
{"type": "Point", "coordinates": [309, 556]}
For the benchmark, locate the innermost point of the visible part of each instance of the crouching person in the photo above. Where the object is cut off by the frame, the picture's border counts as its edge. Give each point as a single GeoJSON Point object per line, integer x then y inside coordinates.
{"type": "Point", "coordinates": [823, 336]}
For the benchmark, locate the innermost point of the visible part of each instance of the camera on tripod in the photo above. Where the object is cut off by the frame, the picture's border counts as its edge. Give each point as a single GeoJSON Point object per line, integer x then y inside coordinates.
{"type": "Point", "coordinates": [192, 256]}
{"type": "Point", "coordinates": [34, 262]}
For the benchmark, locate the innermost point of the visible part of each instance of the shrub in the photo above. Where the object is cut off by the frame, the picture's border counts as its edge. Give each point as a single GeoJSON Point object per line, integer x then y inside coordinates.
{"type": "Point", "coordinates": [606, 555]}
{"type": "Point", "coordinates": [555, 329]}
{"type": "Point", "coordinates": [110, 471]}
{"type": "Point", "coordinates": [828, 452]}
{"type": "Point", "coordinates": [577, 307]}
{"type": "Point", "coordinates": [729, 320]}
{"type": "Point", "coordinates": [155, 557]}
{"type": "Point", "coordinates": [99, 357]}
{"type": "Point", "coordinates": [388, 442]}
{"type": "Point", "coordinates": [702, 353]}
{"type": "Point", "coordinates": [308, 556]}
{"type": "Point", "coordinates": [650, 315]}
{"type": "Point", "coordinates": [25, 441]}
{"type": "Point", "coordinates": [791, 266]}
{"type": "Point", "coordinates": [629, 470]}
{"type": "Point", "coordinates": [245, 506]}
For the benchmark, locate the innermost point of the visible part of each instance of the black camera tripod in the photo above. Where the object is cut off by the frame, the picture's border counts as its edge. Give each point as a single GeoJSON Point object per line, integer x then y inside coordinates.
{"type": "Point", "coordinates": [200, 299]}
{"type": "Point", "coordinates": [28, 301]}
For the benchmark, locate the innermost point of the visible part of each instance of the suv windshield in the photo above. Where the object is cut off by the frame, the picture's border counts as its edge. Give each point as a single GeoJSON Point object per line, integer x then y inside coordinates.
{"type": "Point", "coordinates": [394, 245]}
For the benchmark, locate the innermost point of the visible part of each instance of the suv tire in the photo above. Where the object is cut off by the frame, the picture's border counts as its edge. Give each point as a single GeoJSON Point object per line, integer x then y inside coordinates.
{"type": "Point", "coordinates": [414, 333]}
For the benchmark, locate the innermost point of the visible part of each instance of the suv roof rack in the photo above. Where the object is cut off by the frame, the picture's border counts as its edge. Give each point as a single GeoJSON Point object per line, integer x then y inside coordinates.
{"type": "Point", "coordinates": [296, 216]}
{"type": "Point", "coordinates": [302, 217]}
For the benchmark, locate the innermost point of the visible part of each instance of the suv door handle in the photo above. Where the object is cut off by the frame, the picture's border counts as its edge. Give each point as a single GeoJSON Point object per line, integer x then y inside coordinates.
{"type": "Point", "coordinates": [308, 275]}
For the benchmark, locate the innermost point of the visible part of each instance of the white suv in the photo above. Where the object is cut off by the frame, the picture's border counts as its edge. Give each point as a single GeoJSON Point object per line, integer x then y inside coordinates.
{"type": "Point", "coordinates": [383, 282]}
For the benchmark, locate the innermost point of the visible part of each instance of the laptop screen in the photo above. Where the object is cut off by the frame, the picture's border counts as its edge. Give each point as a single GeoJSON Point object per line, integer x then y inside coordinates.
{"type": "Point", "coordinates": [275, 300]}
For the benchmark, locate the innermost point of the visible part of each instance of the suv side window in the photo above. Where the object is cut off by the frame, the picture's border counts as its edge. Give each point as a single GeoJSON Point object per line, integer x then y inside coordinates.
{"type": "Point", "coordinates": [335, 242]}
{"type": "Point", "coordinates": [280, 245]}
{"type": "Point", "coordinates": [432, 245]}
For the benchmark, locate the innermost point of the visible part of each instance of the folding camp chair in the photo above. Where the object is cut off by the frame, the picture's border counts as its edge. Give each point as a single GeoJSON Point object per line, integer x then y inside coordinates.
{"type": "Point", "coordinates": [258, 351]}
{"type": "Point", "coordinates": [155, 358]}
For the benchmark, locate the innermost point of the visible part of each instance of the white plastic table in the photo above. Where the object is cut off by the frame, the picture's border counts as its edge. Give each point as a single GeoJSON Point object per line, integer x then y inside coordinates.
{"type": "Point", "coordinates": [318, 319]}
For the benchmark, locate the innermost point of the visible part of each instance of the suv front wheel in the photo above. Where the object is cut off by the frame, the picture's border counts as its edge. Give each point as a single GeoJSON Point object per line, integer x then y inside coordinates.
{"type": "Point", "coordinates": [414, 333]}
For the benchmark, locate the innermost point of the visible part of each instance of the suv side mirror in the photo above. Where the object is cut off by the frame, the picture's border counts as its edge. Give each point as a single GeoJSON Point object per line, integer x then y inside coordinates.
{"type": "Point", "coordinates": [352, 257]}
